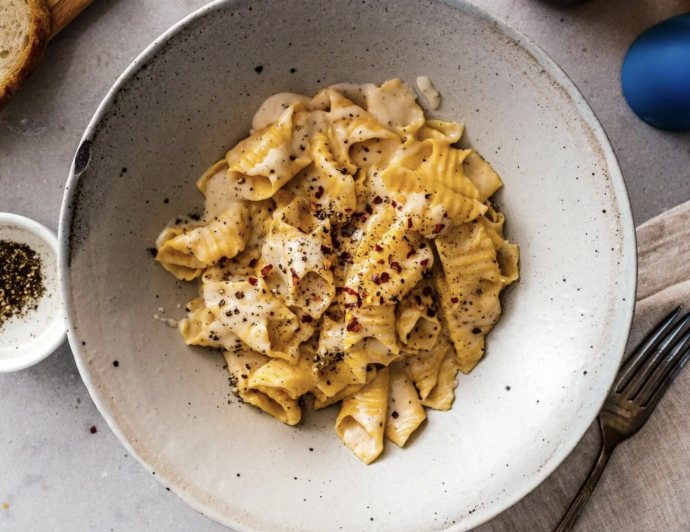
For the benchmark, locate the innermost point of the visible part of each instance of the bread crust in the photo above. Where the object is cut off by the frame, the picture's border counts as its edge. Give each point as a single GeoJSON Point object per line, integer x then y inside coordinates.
{"type": "Point", "coordinates": [39, 35]}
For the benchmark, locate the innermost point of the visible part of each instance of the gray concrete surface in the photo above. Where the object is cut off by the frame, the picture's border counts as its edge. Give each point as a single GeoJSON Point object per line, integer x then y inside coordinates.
{"type": "Point", "coordinates": [57, 476]}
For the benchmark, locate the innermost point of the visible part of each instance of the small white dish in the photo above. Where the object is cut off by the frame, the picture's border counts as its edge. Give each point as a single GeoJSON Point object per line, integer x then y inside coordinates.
{"type": "Point", "coordinates": [25, 341]}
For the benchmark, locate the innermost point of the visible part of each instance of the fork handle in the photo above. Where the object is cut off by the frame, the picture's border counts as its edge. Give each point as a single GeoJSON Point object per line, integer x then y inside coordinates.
{"type": "Point", "coordinates": [586, 490]}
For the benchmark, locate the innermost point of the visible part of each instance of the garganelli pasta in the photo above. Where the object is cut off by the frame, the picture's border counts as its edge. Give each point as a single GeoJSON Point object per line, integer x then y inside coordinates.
{"type": "Point", "coordinates": [350, 252]}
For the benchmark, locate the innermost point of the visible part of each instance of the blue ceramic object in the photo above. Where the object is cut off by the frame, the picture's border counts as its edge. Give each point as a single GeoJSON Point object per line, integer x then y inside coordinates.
{"type": "Point", "coordinates": [656, 75]}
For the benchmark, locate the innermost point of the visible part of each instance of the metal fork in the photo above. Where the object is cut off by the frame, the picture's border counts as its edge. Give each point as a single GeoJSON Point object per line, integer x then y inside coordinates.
{"type": "Point", "coordinates": [639, 387]}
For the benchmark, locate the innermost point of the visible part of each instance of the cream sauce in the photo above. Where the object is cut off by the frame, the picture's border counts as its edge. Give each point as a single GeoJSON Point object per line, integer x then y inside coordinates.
{"type": "Point", "coordinates": [167, 321]}
{"type": "Point", "coordinates": [274, 106]}
{"type": "Point", "coordinates": [218, 196]}
{"type": "Point", "coordinates": [429, 91]}
{"type": "Point", "coordinates": [357, 94]}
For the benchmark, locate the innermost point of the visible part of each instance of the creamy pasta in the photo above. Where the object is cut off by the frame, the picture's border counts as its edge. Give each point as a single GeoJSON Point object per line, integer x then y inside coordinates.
{"type": "Point", "coordinates": [349, 252]}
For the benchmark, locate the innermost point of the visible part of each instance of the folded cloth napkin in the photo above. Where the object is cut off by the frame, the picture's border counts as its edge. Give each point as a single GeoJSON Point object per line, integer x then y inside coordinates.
{"type": "Point", "coordinates": [646, 486]}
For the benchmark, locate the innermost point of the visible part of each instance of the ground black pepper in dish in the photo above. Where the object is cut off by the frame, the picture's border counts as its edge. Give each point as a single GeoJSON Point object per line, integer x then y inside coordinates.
{"type": "Point", "coordinates": [21, 280]}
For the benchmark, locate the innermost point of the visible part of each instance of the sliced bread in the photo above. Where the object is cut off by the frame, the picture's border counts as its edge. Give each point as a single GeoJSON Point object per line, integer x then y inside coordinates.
{"type": "Point", "coordinates": [24, 33]}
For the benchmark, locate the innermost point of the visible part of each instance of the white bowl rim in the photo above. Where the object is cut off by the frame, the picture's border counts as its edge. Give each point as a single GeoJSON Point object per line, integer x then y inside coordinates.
{"type": "Point", "coordinates": [628, 260]}
{"type": "Point", "coordinates": [55, 336]}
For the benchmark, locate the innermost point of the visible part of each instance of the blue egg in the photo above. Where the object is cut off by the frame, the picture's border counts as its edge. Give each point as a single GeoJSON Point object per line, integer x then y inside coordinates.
{"type": "Point", "coordinates": [656, 75]}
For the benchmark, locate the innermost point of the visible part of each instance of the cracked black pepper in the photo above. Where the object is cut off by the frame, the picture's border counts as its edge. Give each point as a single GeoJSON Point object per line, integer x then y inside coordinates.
{"type": "Point", "coordinates": [21, 280]}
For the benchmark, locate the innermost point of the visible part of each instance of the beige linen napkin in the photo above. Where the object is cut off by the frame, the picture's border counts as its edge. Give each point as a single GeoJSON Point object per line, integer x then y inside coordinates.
{"type": "Point", "coordinates": [646, 487]}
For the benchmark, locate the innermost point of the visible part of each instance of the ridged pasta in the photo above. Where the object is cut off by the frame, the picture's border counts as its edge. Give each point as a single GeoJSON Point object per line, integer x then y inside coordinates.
{"type": "Point", "coordinates": [200, 327]}
{"type": "Point", "coordinates": [417, 322]}
{"type": "Point", "coordinates": [293, 379]}
{"type": "Point", "coordinates": [362, 418]}
{"type": "Point", "coordinates": [223, 237]}
{"type": "Point", "coordinates": [327, 183]}
{"type": "Point", "coordinates": [424, 367]}
{"type": "Point", "coordinates": [442, 395]}
{"type": "Point", "coordinates": [429, 205]}
{"type": "Point", "coordinates": [255, 315]}
{"type": "Point", "coordinates": [507, 253]}
{"type": "Point", "coordinates": [468, 288]}
{"type": "Point", "coordinates": [482, 175]}
{"type": "Point", "coordinates": [439, 163]}
{"type": "Point", "coordinates": [264, 162]}
{"type": "Point", "coordinates": [376, 322]}
{"type": "Point", "coordinates": [184, 266]}
{"type": "Point", "coordinates": [347, 253]}
{"type": "Point", "coordinates": [296, 256]}
{"type": "Point", "coordinates": [273, 401]}
{"type": "Point", "coordinates": [322, 400]}
{"type": "Point", "coordinates": [390, 267]}
{"type": "Point", "coordinates": [352, 124]}
{"type": "Point", "coordinates": [442, 131]}
{"type": "Point", "coordinates": [405, 410]}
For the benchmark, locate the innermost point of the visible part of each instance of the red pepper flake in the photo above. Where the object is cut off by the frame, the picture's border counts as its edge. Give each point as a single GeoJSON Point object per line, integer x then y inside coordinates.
{"type": "Point", "coordinates": [411, 253]}
{"type": "Point", "coordinates": [394, 204]}
{"type": "Point", "coordinates": [390, 259]}
{"type": "Point", "coordinates": [348, 211]}
{"type": "Point", "coordinates": [350, 291]}
{"type": "Point", "coordinates": [378, 200]}
{"type": "Point", "coordinates": [252, 263]}
{"type": "Point", "coordinates": [350, 305]}
{"type": "Point", "coordinates": [424, 262]}
{"type": "Point", "coordinates": [380, 261]}
{"type": "Point", "coordinates": [430, 312]}
{"type": "Point", "coordinates": [307, 318]}
{"type": "Point", "coordinates": [409, 223]}
{"type": "Point", "coordinates": [418, 300]}
{"type": "Point", "coordinates": [422, 245]}
{"type": "Point", "coordinates": [378, 248]}
{"type": "Point", "coordinates": [438, 228]}
{"type": "Point", "coordinates": [381, 300]}
{"type": "Point", "coordinates": [363, 218]}
{"type": "Point", "coordinates": [376, 278]}
{"type": "Point", "coordinates": [326, 250]}
{"type": "Point", "coordinates": [369, 209]}
{"type": "Point", "coordinates": [318, 193]}
{"type": "Point", "coordinates": [295, 277]}
{"type": "Point", "coordinates": [385, 277]}
{"type": "Point", "coordinates": [454, 300]}
{"type": "Point", "coordinates": [354, 326]}
{"type": "Point", "coordinates": [253, 281]}
{"type": "Point", "coordinates": [426, 291]}
{"type": "Point", "coordinates": [396, 266]}
{"type": "Point", "coordinates": [346, 256]}
{"type": "Point", "coordinates": [266, 270]}
{"type": "Point", "coordinates": [93, 430]}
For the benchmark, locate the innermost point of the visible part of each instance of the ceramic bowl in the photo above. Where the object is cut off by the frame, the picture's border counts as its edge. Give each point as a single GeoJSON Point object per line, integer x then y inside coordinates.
{"type": "Point", "coordinates": [187, 99]}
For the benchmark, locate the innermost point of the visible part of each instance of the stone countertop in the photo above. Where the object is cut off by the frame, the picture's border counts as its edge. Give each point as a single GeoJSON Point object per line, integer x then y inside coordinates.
{"type": "Point", "coordinates": [55, 475]}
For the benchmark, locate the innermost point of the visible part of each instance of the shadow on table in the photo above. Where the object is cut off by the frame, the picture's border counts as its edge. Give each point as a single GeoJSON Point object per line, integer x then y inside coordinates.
{"type": "Point", "coordinates": [620, 20]}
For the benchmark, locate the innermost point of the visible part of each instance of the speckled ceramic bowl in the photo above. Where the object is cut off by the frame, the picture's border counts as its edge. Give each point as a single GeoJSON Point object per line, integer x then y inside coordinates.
{"type": "Point", "coordinates": [186, 100]}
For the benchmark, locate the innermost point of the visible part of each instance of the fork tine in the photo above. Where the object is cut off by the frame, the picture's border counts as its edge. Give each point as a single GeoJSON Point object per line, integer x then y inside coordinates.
{"type": "Point", "coordinates": [643, 351]}
{"type": "Point", "coordinates": [633, 388]}
{"type": "Point", "coordinates": [657, 394]}
{"type": "Point", "coordinates": [669, 364]}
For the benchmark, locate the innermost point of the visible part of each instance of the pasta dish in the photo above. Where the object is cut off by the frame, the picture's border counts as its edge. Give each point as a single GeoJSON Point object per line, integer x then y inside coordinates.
{"type": "Point", "coordinates": [348, 253]}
